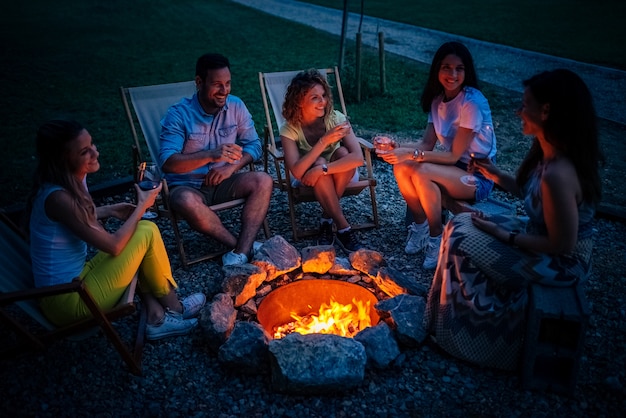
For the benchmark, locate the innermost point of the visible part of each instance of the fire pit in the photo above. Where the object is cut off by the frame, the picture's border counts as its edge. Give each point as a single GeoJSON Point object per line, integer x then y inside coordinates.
{"type": "Point", "coordinates": [305, 297]}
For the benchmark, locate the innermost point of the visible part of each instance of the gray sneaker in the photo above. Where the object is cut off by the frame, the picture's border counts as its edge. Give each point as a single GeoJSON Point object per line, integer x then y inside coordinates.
{"type": "Point", "coordinates": [192, 305]}
{"type": "Point", "coordinates": [417, 237]}
{"type": "Point", "coordinates": [171, 324]}
{"type": "Point", "coordinates": [232, 258]}
{"type": "Point", "coordinates": [432, 253]}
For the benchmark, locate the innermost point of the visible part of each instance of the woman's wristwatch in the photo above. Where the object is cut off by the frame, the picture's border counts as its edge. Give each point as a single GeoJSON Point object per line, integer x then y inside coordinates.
{"type": "Point", "coordinates": [324, 169]}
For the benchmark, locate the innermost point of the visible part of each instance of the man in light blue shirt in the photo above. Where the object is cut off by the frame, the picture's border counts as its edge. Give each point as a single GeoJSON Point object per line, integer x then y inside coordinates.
{"type": "Point", "coordinates": [205, 141]}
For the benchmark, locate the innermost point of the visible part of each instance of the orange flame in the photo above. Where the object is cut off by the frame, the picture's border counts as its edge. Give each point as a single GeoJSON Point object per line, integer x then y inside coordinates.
{"type": "Point", "coordinates": [334, 318]}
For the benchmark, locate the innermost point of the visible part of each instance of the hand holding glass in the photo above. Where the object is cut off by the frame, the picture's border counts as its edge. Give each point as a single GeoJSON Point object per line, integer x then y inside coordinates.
{"type": "Point", "coordinates": [470, 179]}
{"type": "Point", "coordinates": [384, 142]}
{"type": "Point", "coordinates": [148, 176]}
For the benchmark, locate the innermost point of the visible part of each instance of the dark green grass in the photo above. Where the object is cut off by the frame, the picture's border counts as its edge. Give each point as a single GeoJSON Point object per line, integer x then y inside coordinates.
{"type": "Point", "coordinates": [68, 59]}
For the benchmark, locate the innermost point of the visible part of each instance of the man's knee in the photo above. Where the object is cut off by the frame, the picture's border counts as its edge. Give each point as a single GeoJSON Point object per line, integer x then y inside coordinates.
{"type": "Point", "coordinates": [184, 198]}
{"type": "Point", "coordinates": [262, 181]}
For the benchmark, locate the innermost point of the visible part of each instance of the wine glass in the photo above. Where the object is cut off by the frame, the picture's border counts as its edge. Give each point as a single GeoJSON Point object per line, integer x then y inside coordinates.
{"type": "Point", "coordinates": [384, 142]}
{"type": "Point", "coordinates": [470, 179]}
{"type": "Point", "coordinates": [148, 178]}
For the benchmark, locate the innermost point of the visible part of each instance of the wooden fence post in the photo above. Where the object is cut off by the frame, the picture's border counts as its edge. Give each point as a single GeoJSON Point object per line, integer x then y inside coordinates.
{"type": "Point", "coordinates": [358, 67]}
{"type": "Point", "coordinates": [381, 59]}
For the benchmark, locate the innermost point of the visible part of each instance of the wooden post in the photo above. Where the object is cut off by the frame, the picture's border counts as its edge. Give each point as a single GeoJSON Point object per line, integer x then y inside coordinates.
{"type": "Point", "coordinates": [344, 28]}
{"type": "Point", "coordinates": [381, 59]}
{"type": "Point", "coordinates": [358, 67]}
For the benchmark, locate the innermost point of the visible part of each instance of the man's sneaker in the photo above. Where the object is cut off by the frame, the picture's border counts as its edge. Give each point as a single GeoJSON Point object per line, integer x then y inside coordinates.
{"type": "Point", "coordinates": [326, 236]}
{"type": "Point", "coordinates": [192, 305]}
{"type": "Point", "coordinates": [417, 237]}
{"type": "Point", "coordinates": [348, 241]}
{"type": "Point", "coordinates": [232, 258]}
{"type": "Point", "coordinates": [171, 324]}
{"type": "Point", "coordinates": [431, 255]}
{"type": "Point", "coordinates": [256, 246]}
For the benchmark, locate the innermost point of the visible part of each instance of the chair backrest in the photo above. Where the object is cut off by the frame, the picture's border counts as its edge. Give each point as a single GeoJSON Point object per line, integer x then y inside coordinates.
{"type": "Point", "coordinates": [274, 86]}
{"type": "Point", "coordinates": [16, 272]}
{"type": "Point", "coordinates": [150, 103]}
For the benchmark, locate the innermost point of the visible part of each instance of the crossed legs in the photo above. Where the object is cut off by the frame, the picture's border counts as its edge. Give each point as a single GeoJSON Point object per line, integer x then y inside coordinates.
{"type": "Point", "coordinates": [329, 189]}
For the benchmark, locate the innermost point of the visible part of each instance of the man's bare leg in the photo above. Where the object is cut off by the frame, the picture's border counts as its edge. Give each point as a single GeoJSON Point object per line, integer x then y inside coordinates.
{"type": "Point", "coordinates": [256, 187]}
{"type": "Point", "coordinates": [189, 205]}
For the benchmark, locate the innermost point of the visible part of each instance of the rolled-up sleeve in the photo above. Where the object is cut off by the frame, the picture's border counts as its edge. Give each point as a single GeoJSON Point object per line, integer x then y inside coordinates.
{"type": "Point", "coordinates": [172, 135]}
{"type": "Point", "coordinates": [247, 136]}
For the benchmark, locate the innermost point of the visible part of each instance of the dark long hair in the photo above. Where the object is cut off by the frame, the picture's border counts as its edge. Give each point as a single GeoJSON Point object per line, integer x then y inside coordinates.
{"type": "Point", "coordinates": [433, 87]}
{"type": "Point", "coordinates": [53, 166]}
{"type": "Point", "coordinates": [571, 127]}
{"type": "Point", "coordinates": [298, 88]}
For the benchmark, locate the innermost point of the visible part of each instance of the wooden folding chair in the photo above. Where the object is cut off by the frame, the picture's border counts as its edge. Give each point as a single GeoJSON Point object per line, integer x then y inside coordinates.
{"type": "Point", "coordinates": [273, 87]}
{"type": "Point", "coordinates": [149, 106]}
{"type": "Point", "coordinates": [17, 289]}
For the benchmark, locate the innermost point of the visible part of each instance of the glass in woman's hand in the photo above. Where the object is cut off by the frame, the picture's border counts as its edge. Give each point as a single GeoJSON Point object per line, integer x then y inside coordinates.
{"type": "Point", "coordinates": [384, 142]}
{"type": "Point", "coordinates": [470, 179]}
{"type": "Point", "coordinates": [148, 176]}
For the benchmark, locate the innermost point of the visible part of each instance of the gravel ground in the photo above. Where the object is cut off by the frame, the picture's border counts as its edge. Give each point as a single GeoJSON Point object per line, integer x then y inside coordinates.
{"type": "Point", "coordinates": [183, 378]}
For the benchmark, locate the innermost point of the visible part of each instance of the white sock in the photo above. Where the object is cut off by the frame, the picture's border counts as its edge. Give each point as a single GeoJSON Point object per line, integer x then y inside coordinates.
{"type": "Point", "coordinates": [326, 220]}
{"type": "Point", "coordinates": [341, 231]}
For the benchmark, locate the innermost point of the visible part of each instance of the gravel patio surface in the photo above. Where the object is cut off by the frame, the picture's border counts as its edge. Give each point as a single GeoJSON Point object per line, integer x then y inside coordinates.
{"type": "Point", "coordinates": [181, 377]}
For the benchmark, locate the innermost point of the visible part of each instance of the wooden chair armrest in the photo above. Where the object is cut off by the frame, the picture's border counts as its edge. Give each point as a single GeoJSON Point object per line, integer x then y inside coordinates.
{"type": "Point", "coordinates": [39, 292]}
{"type": "Point", "coordinates": [365, 144]}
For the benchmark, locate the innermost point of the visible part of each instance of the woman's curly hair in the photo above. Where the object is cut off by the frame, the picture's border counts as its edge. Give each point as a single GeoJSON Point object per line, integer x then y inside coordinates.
{"type": "Point", "coordinates": [298, 88]}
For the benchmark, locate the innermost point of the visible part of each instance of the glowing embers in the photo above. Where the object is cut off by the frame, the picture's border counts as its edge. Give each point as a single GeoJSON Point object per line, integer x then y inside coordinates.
{"type": "Point", "coordinates": [318, 306]}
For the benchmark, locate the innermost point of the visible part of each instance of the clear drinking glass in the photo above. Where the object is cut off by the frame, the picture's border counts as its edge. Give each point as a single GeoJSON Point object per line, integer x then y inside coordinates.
{"type": "Point", "coordinates": [148, 176]}
{"type": "Point", "coordinates": [470, 179]}
{"type": "Point", "coordinates": [384, 142]}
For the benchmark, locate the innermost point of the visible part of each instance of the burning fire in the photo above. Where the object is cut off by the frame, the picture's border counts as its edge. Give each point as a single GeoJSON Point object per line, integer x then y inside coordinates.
{"type": "Point", "coordinates": [333, 318]}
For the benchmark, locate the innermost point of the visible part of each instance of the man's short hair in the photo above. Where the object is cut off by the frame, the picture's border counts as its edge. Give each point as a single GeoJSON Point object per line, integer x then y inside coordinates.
{"type": "Point", "coordinates": [210, 62]}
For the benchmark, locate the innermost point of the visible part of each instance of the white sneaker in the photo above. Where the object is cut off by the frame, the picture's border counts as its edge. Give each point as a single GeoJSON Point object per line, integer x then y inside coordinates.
{"type": "Point", "coordinates": [171, 324]}
{"type": "Point", "coordinates": [431, 254]}
{"type": "Point", "coordinates": [192, 305]}
{"type": "Point", "coordinates": [418, 235]}
{"type": "Point", "coordinates": [232, 258]}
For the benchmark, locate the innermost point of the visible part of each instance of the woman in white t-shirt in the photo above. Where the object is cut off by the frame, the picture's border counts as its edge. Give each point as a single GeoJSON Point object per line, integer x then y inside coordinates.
{"type": "Point", "coordinates": [459, 118]}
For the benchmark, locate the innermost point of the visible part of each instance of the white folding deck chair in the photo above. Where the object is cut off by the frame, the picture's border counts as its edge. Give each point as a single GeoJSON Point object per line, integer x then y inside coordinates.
{"type": "Point", "coordinates": [149, 106]}
{"type": "Point", "coordinates": [273, 88]}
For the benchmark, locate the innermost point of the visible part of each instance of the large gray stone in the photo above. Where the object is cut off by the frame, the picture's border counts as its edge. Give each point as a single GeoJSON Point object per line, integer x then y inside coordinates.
{"type": "Point", "coordinates": [407, 313]}
{"type": "Point", "coordinates": [318, 259]}
{"type": "Point", "coordinates": [246, 350]}
{"type": "Point", "coordinates": [218, 320]}
{"type": "Point", "coordinates": [277, 257]}
{"type": "Point", "coordinates": [394, 282]}
{"type": "Point", "coordinates": [367, 261]}
{"type": "Point", "coordinates": [316, 363]}
{"type": "Point", "coordinates": [380, 345]}
{"type": "Point", "coordinates": [241, 281]}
